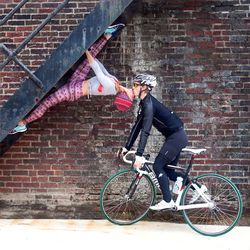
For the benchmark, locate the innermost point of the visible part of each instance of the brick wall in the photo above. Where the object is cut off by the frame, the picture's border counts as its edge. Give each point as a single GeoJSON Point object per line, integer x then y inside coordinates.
{"type": "Point", "coordinates": [23, 23]}
{"type": "Point", "coordinates": [199, 51]}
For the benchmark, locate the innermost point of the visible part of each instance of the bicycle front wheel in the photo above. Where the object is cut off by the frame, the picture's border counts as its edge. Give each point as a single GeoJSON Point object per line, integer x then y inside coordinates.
{"type": "Point", "coordinates": [126, 197]}
{"type": "Point", "coordinates": [225, 205]}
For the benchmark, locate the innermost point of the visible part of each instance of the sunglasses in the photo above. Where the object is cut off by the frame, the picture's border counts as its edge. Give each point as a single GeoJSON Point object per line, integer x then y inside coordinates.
{"type": "Point", "coordinates": [135, 84]}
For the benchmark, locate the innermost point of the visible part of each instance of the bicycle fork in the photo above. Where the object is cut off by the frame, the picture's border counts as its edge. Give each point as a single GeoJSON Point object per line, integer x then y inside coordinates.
{"type": "Point", "coordinates": [133, 186]}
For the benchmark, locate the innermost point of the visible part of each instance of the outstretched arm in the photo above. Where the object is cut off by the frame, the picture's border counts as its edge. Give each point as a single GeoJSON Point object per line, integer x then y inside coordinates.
{"type": "Point", "coordinates": [104, 81]}
{"type": "Point", "coordinates": [83, 68]}
{"type": "Point", "coordinates": [89, 57]}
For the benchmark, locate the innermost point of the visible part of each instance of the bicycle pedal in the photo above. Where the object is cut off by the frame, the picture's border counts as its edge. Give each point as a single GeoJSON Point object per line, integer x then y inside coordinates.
{"type": "Point", "coordinates": [174, 208]}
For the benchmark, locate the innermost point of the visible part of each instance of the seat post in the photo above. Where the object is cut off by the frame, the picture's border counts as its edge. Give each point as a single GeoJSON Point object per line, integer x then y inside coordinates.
{"type": "Point", "coordinates": [188, 169]}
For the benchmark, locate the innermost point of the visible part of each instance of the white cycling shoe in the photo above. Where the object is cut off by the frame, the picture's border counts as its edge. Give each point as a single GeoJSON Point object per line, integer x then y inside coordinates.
{"type": "Point", "coordinates": [163, 205]}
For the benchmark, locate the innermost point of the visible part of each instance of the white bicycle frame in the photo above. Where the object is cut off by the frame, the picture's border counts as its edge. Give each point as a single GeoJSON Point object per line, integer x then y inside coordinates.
{"type": "Point", "coordinates": [192, 206]}
{"type": "Point", "coordinates": [178, 199]}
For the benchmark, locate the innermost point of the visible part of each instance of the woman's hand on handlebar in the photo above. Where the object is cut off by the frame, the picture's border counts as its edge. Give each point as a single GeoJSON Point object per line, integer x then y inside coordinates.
{"type": "Point", "coordinates": [121, 152]}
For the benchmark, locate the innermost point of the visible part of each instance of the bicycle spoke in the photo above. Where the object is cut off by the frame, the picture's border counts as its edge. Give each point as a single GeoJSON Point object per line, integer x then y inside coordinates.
{"type": "Point", "coordinates": [135, 208]}
{"type": "Point", "coordinates": [110, 202]}
{"type": "Point", "coordinates": [224, 210]}
{"type": "Point", "coordinates": [113, 208]}
{"type": "Point", "coordinates": [126, 208]}
{"type": "Point", "coordinates": [220, 194]}
{"type": "Point", "coordinates": [227, 215]}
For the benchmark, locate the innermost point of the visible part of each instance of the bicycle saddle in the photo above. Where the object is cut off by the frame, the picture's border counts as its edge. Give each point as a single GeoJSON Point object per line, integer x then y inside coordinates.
{"type": "Point", "coordinates": [194, 150]}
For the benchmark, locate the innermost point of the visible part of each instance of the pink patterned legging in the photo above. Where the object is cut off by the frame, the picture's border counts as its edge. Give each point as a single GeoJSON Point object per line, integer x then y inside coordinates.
{"type": "Point", "coordinates": [72, 90]}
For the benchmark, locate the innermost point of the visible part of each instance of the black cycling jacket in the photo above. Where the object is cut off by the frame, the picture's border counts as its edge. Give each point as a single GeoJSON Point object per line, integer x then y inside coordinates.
{"type": "Point", "coordinates": [152, 112]}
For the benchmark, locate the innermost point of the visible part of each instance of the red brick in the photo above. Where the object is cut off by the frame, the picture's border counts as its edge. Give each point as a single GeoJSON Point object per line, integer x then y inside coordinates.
{"type": "Point", "coordinates": [201, 63]}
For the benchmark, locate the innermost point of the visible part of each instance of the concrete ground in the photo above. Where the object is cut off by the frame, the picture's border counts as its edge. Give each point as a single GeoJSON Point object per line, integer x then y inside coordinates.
{"type": "Point", "coordinates": [100, 234]}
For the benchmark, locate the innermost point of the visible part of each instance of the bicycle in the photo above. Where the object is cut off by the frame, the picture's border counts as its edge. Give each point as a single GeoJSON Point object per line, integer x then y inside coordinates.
{"type": "Point", "coordinates": [127, 195]}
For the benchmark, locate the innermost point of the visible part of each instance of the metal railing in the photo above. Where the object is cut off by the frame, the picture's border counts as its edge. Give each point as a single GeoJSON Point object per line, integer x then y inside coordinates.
{"type": "Point", "coordinates": [54, 68]}
{"type": "Point", "coordinates": [12, 55]}
{"type": "Point", "coordinates": [12, 12]}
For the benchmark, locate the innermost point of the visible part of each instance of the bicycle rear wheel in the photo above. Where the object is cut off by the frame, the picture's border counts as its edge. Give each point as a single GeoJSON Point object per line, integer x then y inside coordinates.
{"type": "Point", "coordinates": [225, 207]}
{"type": "Point", "coordinates": [125, 198]}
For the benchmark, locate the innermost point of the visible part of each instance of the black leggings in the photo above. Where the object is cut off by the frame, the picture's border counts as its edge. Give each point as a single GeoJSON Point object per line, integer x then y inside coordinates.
{"type": "Point", "coordinates": [169, 154]}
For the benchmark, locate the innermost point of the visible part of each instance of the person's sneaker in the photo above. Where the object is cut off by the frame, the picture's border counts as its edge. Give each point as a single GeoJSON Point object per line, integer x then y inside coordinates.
{"type": "Point", "coordinates": [163, 205]}
{"type": "Point", "coordinates": [114, 29]}
{"type": "Point", "coordinates": [18, 129]}
{"type": "Point", "coordinates": [196, 195]}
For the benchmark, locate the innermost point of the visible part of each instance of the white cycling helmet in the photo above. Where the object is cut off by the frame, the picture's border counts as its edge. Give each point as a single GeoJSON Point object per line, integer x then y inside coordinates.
{"type": "Point", "coordinates": [146, 79]}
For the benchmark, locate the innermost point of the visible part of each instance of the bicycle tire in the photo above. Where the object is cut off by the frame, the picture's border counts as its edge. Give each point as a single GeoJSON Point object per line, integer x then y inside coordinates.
{"type": "Point", "coordinates": [115, 204]}
{"type": "Point", "coordinates": [224, 212]}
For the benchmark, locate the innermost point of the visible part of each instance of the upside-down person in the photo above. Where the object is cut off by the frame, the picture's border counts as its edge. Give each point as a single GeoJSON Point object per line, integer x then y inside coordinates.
{"type": "Point", "coordinates": [101, 84]}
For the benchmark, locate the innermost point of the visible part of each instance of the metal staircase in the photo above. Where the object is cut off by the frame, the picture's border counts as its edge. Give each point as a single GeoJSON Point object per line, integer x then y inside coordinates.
{"type": "Point", "coordinates": [51, 71]}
